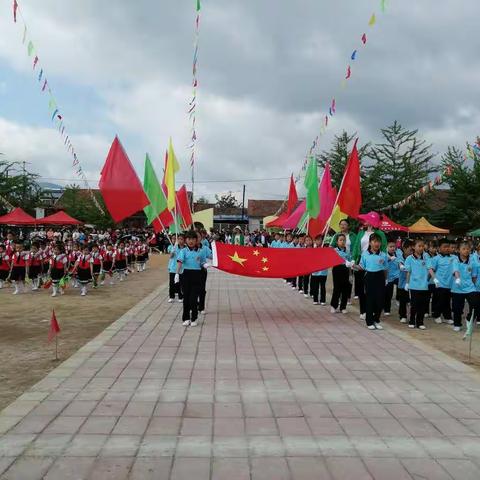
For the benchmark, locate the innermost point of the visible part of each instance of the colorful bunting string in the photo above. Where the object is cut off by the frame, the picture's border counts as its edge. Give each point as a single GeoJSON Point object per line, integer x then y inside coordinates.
{"type": "Point", "coordinates": [56, 116]}
{"type": "Point", "coordinates": [333, 108]}
{"type": "Point", "coordinates": [192, 112]}
{"type": "Point", "coordinates": [472, 152]}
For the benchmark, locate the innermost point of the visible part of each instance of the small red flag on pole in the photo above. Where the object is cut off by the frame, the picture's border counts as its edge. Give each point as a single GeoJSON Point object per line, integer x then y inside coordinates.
{"type": "Point", "coordinates": [54, 331]}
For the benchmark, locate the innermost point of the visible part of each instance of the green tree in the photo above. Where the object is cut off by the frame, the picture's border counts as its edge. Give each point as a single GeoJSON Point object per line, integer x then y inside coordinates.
{"type": "Point", "coordinates": [398, 166]}
{"type": "Point", "coordinates": [462, 210]}
{"type": "Point", "coordinates": [18, 186]}
{"type": "Point", "coordinates": [226, 201]}
{"type": "Point", "coordinates": [338, 154]}
{"type": "Point", "coordinates": [78, 203]}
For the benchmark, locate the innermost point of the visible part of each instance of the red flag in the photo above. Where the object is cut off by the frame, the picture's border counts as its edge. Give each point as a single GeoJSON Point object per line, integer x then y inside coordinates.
{"type": "Point", "coordinates": [292, 197]}
{"type": "Point", "coordinates": [327, 193]}
{"type": "Point", "coordinates": [350, 196]}
{"type": "Point", "coordinates": [349, 73]}
{"type": "Point", "coordinates": [54, 327]}
{"type": "Point", "coordinates": [184, 207]}
{"type": "Point", "coordinates": [273, 262]}
{"type": "Point", "coordinates": [15, 8]}
{"type": "Point", "coordinates": [279, 221]}
{"type": "Point", "coordinates": [119, 184]}
{"type": "Point", "coordinates": [293, 220]}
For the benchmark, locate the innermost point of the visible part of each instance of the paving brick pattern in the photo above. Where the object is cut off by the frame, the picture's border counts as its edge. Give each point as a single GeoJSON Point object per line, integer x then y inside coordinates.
{"type": "Point", "coordinates": [268, 386]}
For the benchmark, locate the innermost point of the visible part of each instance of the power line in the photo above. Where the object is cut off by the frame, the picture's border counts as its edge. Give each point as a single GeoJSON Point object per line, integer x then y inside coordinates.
{"type": "Point", "coordinates": [272, 179]}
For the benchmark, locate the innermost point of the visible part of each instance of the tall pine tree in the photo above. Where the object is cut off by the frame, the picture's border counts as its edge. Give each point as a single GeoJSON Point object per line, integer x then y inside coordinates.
{"type": "Point", "coordinates": [398, 166]}
{"type": "Point", "coordinates": [461, 212]}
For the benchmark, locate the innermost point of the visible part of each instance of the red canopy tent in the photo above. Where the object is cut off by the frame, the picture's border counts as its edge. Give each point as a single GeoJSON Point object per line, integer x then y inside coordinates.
{"type": "Point", "coordinates": [388, 225]}
{"type": "Point", "coordinates": [59, 218]}
{"type": "Point", "coordinates": [17, 217]}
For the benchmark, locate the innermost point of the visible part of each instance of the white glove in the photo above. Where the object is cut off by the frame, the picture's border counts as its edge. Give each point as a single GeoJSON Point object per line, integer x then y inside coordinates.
{"type": "Point", "coordinates": [458, 281]}
{"type": "Point", "coordinates": [386, 282]}
{"type": "Point", "coordinates": [392, 258]}
{"type": "Point", "coordinates": [177, 278]}
{"type": "Point", "coordinates": [407, 287]}
{"type": "Point", "coordinates": [206, 265]}
{"type": "Point", "coordinates": [402, 267]}
{"type": "Point", "coordinates": [436, 281]}
{"type": "Point", "coordinates": [348, 264]}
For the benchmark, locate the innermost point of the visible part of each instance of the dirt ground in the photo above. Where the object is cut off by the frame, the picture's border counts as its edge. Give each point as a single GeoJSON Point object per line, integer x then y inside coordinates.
{"type": "Point", "coordinates": [26, 356]}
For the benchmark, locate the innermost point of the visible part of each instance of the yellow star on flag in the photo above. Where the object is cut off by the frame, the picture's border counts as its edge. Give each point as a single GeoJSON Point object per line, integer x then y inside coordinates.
{"type": "Point", "coordinates": [264, 259]}
{"type": "Point", "coordinates": [256, 253]}
{"type": "Point", "coordinates": [235, 258]}
{"type": "Point", "coordinates": [265, 269]}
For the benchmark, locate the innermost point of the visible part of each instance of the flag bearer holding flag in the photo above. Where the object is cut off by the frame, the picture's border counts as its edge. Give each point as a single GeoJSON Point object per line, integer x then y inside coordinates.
{"type": "Point", "coordinates": [192, 259]}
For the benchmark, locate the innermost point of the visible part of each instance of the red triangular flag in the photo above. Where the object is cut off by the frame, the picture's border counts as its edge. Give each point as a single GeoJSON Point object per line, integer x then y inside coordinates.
{"type": "Point", "coordinates": [184, 207]}
{"type": "Point", "coordinates": [292, 197]}
{"type": "Point", "coordinates": [121, 189]}
{"type": "Point", "coordinates": [54, 327]}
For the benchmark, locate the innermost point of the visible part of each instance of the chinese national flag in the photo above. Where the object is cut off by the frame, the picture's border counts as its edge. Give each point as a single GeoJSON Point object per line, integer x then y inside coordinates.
{"type": "Point", "coordinates": [54, 327]}
{"type": "Point", "coordinates": [273, 262]}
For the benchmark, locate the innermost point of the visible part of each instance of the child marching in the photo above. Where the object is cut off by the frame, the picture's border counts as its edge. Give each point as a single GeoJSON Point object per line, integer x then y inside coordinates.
{"type": "Point", "coordinates": [173, 251]}
{"type": "Point", "coordinates": [58, 268]}
{"type": "Point", "coordinates": [341, 277]}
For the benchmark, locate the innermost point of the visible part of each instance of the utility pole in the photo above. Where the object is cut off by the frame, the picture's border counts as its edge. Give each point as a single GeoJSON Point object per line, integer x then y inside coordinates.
{"type": "Point", "coordinates": [243, 204]}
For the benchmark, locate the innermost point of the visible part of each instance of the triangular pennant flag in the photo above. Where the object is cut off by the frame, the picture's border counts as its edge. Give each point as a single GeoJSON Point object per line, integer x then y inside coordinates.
{"type": "Point", "coordinates": [172, 167]}
{"type": "Point", "coordinates": [119, 184]}
{"type": "Point", "coordinates": [199, 6]}
{"type": "Point", "coordinates": [54, 327]}
{"type": "Point", "coordinates": [364, 38]}
{"type": "Point", "coordinates": [183, 207]}
{"type": "Point", "coordinates": [372, 20]}
{"type": "Point", "coordinates": [158, 202]}
{"type": "Point", "coordinates": [292, 196]}
{"type": "Point", "coordinates": [15, 8]}
{"type": "Point", "coordinates": [30, 48]}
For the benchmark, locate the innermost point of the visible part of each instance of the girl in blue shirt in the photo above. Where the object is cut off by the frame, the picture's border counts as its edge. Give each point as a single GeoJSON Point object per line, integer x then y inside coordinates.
{"type": "Point", "coordinates": [304, 282]}
{"type": "Point", "coordinates": [374, 264]}
{"type": "Point", "coordinates": [417, 268]}
{"type": "Point", "coordinates": [403, 295]}
{"type": "Point", "coordinates": [192, 259]}
{"type": "Point", "coordinates": [173, 251]}
{"type": "Point", "coordinates": [341, 277]}
{"type": "Point", "coordinates": [465, 272]}
{"type": "Point", "coordinates": [393, 272]}
{"type": "Point", "coordinates": [319, 280]}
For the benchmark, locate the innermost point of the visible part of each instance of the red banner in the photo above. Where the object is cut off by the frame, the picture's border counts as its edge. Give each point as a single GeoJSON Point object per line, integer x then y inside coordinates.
{"type": "Point", "coordinates": [273, 262]}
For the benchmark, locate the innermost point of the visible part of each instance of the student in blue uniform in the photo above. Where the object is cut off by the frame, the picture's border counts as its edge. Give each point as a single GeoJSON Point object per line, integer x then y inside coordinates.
{"type": "Point", "coordinates": [205, 245]}
{"type": "Point", "coordinates": [304, 282]}
{"type": "Point", "coordinates": [374, 263]}
{"type": "Point", "coordinates": [318, 280]}
{"type": "Point", "coordinates": [289, 243]}
{"type": "Point", "coordinates": [173, 250]}
{"type": "Point", "coordinates": [276, 242]}
{"type": "Point", "coordinates": [465, 272]}
{"type": "Point", "coordinates": [417, 266]}
{"type": "Point", "coordinates": [341, 277]}
{"type": "Point", "coordinates": [441, 273]}
{"type": "Point", "coordinates": [403, 294]}
{"type": "Point", "coordinates": [191, 258]}
{"type": "Point", "coordinates": [432, 250]}
{"type": "Point", "coordinates": [393, 273]}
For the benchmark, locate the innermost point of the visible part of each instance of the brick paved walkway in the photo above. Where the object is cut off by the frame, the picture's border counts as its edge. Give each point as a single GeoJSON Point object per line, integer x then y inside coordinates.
{"type": "Point", "coordinates": [267, 387]}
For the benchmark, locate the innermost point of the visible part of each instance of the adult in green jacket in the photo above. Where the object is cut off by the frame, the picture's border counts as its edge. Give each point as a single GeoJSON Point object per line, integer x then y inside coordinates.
{"type": "Point", "coordinates": [349, 236]}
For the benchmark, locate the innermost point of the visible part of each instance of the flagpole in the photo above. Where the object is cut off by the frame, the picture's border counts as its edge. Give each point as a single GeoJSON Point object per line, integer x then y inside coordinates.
{"type": "Point", "coordinates": [327, 226]}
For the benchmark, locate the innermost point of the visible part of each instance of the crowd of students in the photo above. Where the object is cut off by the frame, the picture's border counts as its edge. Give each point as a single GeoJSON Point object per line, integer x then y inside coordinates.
{"type": "Point", "coordinates": [55, 264]}
{"type": "Point", "coordinates": [437, 279]}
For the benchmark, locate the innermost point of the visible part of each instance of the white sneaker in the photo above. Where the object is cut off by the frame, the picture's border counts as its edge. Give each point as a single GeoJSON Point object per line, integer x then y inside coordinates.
{"type": "Point", "coordinates": [355, 297]}
{"type": "Point", "coordinates": [449, 322]}
{"type": "Point", "coordinates": [457, 329]}
{"type": "Point", "coordinates": [422, 327]}
{"type": "Point", "coordinates": [345, 311]}
{"type": "Point", "coordinates": [315, 303]}
{"type": "Point", "coordinates": [349, 302]}
{"type": "Point", "coordinates": [306, 295]}
{"type": "Point", "coordinates": [15, 292]}
{"type": "Point", "coordinates": [322, 304]}
{"type": "Point", "coordinates": [186, 323]}
{"type": "Point", "coordinates": [180, 300]}
{"type": "Point", "coordinates": [378, 326]}
{"type": "Point", "coordinates": [371, 327]}
{"type": "Point", "coordinates": [363, 316]}
{"type": "Point", "coordinates": [83, 292]}
{"type": "Point", "coordinates": [293, 288]}
{"type": "Point", "coordinates": [203, 312]}
{"type": "Point", "coordinates": [387, 314]}
{"type": "Point", "coordinates": [411, 326]}
{"type": "Point", "coordinates": [300, 291]}
{"type": "Point", "coordinates": [333, 310]}
{"type": "Point", "coordinates": [171, 300]}
{"type": "Point", "coordinates": [438, 320]}
{"type": "Point", "coordinates": [54, 294]}
{"type": "Point", "coordinates": [194, 323]}
{"type": "Point", "coordinates": [403, 320]}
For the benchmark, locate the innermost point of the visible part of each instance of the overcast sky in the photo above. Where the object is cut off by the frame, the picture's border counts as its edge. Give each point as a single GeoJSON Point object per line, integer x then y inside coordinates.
{"type": "Point", "coordinates": [268, 70]}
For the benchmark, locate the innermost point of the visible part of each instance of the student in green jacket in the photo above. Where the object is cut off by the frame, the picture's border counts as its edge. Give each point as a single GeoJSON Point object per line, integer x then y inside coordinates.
{"type": "Point", "coordinates": [372, 223]}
